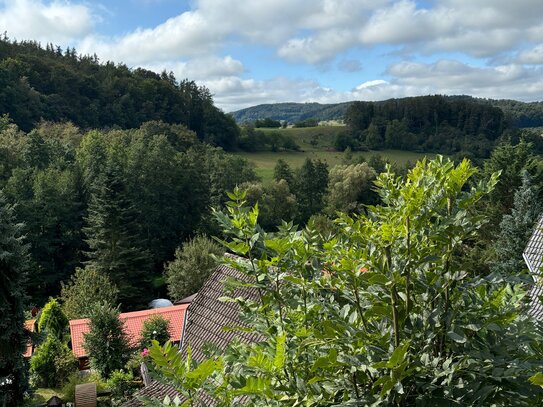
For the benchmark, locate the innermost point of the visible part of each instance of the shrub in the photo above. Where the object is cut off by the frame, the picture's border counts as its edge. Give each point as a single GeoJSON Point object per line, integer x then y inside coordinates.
{"type": "Point", "coordinates": [52, 363]}
{"type": "Point", "coordinates": [155, 328]}
{"type": "Point", "coordinates": [385, 313]}
{"type": "Point", "coordinates": [122, 386]}
{"type": "Point", "coordinates": [68, 390]}
{"type": "Point", "coordinates": [192, 265]}
{"type": "Point", "coordinates": [53, 320]}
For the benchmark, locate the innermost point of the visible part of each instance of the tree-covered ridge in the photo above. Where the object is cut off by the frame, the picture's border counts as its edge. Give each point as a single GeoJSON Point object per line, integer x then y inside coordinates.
{"type": "Point", "coordinates": [55, 85]}
{"type": "Point", "coordinates": [427, 123]}
{"type": "Point", "coordinates": [292, 112]}
{"type": "Point", "coordinates": [518, 114]}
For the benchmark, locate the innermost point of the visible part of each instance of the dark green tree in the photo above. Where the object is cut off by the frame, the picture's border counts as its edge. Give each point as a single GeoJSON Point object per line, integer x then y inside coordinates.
{"type": "Point", "coordinates": [283, 171]}
{"type": "Point", "coordinates": [311, 186]}
{"type": "Point", "coordinates": [516, 229]}
{"type": "Point", "coordinates": [106, 342]}
{"type": "Point", "coordinates": [114, 239]}
{"type": "Point", "coordinates": [13, 277]}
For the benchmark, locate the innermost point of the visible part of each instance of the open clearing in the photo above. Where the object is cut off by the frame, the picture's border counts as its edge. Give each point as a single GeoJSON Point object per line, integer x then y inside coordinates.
{"type": "Point", "coordinates": [264, 162]}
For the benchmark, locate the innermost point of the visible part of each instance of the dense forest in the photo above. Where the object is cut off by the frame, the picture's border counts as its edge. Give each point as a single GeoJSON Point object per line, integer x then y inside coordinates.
{"type": "Point", "coordinates": [59, 85]}
{"type": "Point", "coordinates": [426, 123]}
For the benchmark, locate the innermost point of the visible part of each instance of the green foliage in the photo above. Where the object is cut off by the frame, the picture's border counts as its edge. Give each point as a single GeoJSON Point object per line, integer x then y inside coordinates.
{"type": "Point", "coordinates": [516, 229]}
{"type": "Point", "coordinates": [114, 239]}
{"type": "Point", "coordinates": [350, 187]}
{"type": "Point", "coordinates": [122, 386]}
{"type": "Point", "coordinates": [52, 363]}
{"type": "Point", "coordinates": [307, 123]}
{"type": "Point", "coordinates": [68, 390]}
{"type": "Point", "coordinates": [427, 123]}
{"type": "Point", "coordinates": [106, 342]}
{"type": "Point", "coordinates": [267, 122]}
{"type": "Point", "coordinates": [283, 171]}
{"type": "Point", "coordinates": [53, 320]}
{"type": "Point", "coordinates": [384, 312]}
{"type": "Point", "coordinates": [86, 288]}
{"type": "Point", "coordinates": [311, 184]}
{"type": "Point", "coordinates": [193, 264]}
{"type": "Point", "coordinates": [13, 337]}
{"type": "Point", "coordinates": [46, 84]}
{"type": "Point", "coordinates": [157, 329]}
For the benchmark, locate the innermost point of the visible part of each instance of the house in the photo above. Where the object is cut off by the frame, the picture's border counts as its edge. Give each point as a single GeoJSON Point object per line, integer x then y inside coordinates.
{"type": "Point", "coordinates": [533, 256]}
{"type": "Point", "coordinates": [207, 316]}
{"type": "Point", "coordinates": [133, 324]}
{"type": "Point", "coordinates": [31, 327]}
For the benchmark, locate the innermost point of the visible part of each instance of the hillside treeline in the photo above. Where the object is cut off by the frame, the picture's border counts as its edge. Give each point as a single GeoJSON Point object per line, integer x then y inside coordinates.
{"type": "Point", "coordinates": [118, 200]}
{"type": "Point", "coordinates": [59, 85]}
{"type": "Point", "coordinates": [426, 123]}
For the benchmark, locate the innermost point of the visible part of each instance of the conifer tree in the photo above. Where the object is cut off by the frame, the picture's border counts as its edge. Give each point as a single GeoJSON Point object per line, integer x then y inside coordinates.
{"type": "Point", "coordinates": [114, 239]}
{"type": "Point", "coordinates": [106, 342]}
{"type": "Point", "coordinates": [516, 228]}
{"type": "Point", "coordinates": [13, 269]}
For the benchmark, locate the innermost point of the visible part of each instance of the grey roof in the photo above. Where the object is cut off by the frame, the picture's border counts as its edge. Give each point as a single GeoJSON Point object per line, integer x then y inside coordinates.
{"type": "Point", "coordinates": [207, 316]}
{"type": "Point", "coordinates": [533, 256]}
{"type": "Point", "coordinates": [206, 319]}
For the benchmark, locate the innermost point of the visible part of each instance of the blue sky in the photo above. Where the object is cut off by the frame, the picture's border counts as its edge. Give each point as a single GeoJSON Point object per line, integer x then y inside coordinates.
{"type": "Point", "coordinates": [262, 51]}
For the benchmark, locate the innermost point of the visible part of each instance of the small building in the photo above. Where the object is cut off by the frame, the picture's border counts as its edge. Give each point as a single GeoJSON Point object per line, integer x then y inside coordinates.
{"type": "Point", "coordinates": [133, 325]}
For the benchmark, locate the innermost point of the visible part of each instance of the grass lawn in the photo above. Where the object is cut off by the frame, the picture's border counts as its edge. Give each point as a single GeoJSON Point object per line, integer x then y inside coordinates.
{"type": "Point", "coordinates": [40, 396]}
{"type": "Point", "coordinates": [264, 162]}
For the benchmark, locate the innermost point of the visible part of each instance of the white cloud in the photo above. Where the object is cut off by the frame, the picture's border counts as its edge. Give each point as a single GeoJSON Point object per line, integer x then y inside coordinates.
{"type": "Point", "coordinates": [57, 22]}
{"type": "Point", "coordinates": [532, 56]}
{"type": "Point", "coordinates": [199, 69]}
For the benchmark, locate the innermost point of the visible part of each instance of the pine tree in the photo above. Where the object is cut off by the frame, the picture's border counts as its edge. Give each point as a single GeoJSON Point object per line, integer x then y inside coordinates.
{"type": "Point", "coordinates": [283, 171]}
{"type": "Point", "coordinates": [106, 342]}
{"type": "Point", "coordinates": [517, 227]}
{"type": "Point", "coordinates": [114, 239]}
{"type": "Point", "coordinates": [311, 186]}
{"type": "Point", "coordinates": [13, 269]}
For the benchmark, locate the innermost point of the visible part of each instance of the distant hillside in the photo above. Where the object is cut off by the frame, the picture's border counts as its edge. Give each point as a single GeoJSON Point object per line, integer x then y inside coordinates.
{"type": "Point", "coordinates": [518, 114]}
{"type": "Point", "coordinates": [60, 85]}
{"type": "Point", "coordinates": [292, 112]}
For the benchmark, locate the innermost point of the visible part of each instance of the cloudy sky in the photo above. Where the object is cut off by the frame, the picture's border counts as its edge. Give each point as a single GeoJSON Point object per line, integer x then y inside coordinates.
{"type": "Point", "coordinates": [249, 52]}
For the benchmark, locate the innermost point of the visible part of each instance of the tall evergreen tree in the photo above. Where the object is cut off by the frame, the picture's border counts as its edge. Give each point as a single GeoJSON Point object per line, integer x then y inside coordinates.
{"type": "Point", "coordinates": [13, 269]}
{"type": "Point", "coordinates": [311, 186]}
{"type": "Point", "coordinates": [106, 342]}
{"type": "Point", "coordinates": [516, 228]}
{"type": "Point", "coordinates": [283, 171]}
{"type": "Point", "coordinates": [114, 239]}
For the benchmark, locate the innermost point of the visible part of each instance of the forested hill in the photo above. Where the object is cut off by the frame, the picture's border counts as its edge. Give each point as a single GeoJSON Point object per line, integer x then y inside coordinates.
{"type": "Point", "coordinates": [52, 84]}
{"type": "Point", "coordinates": [518, 114]}
{"type": "Point", "coordinates": [292, 112]}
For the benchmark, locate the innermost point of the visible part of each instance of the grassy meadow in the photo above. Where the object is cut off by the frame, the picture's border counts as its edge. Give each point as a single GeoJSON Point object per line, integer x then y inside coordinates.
{"type": "Point", "coordinates": [316, 143]}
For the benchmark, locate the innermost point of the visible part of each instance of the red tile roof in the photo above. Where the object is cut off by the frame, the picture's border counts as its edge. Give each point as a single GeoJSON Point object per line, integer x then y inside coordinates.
{"type": "Point", "coordinates": [133, 324]}
{"type": "Point", "coordinates": [30, 327]}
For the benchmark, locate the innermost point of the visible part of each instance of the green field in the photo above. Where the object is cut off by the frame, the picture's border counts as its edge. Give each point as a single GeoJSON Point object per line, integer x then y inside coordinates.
{"type": "Point", "coordinates": [264, 162]}
{"type": "Point", "coordinates": [312, 138]}
{"type": "Point", "coordinates": [317, 143]}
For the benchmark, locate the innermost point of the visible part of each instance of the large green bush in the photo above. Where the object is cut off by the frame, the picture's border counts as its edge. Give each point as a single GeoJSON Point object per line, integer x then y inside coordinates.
{"type": "Point", "coordinates": [52, 363]}
{"type": "Point", "coordinates": [192, 265]}
{"type": "Point", "coordinates": [155, 328]}
{"type": "Point", "coordinates": [383, 313]}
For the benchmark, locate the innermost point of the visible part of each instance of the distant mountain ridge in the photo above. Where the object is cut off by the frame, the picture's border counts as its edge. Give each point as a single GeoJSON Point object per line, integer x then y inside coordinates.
{"type": "Point", "coordinates": [292, 112]}
{"type": "Point", "coordinates": [520, 114]}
